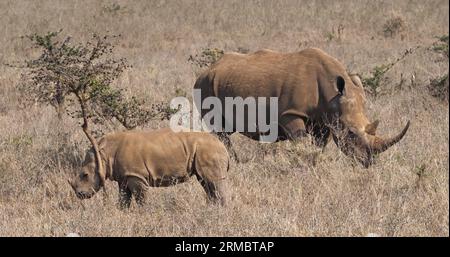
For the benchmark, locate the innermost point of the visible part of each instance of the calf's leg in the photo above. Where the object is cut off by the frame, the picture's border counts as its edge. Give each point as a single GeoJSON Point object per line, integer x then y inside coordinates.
{"type": "Point", "coordinates": [216, 191]}
{"type": "Point", "coordinates": [138, 188]}
{"type": "Point", "coordinates": [124, 197]}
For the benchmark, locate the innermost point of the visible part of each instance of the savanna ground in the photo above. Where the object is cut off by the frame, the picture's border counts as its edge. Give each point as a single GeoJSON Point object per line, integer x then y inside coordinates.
{"type": "Point", "coordinates": [297, 192]}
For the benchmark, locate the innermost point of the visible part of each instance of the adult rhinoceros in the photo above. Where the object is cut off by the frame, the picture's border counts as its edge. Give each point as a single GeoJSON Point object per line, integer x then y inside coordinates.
{"type": "Point", "coordinates": [315, 94]}
{"type": "Point", "coordinates": [141, 159]}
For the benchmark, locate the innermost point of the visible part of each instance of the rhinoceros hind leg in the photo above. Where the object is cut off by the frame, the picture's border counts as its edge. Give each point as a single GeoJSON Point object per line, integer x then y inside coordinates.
{"type": "Point", "coordinates": [225, 139]}
{"type": "Point", "coordinates": [216, 191]}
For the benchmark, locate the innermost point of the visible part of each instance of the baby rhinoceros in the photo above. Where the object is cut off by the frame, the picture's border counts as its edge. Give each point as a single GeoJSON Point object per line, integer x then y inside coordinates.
{"type": "Point", "coordinates": [138, 160]}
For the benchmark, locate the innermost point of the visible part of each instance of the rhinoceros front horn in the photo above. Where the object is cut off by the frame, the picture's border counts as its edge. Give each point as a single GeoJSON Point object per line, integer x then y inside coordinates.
{"type": "Point", "coordinates": [380, 145]}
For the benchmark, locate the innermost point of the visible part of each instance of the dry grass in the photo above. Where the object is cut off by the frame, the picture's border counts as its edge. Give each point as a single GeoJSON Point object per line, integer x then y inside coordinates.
{"type": "Point", "coordinates": [297, 192]}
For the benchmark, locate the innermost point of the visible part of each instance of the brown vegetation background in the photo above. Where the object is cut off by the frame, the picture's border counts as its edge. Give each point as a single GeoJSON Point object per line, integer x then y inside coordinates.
{"type": "Point", "coordinates": [298, 191]}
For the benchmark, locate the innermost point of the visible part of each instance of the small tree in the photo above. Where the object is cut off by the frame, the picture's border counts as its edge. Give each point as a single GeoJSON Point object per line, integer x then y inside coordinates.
{"type": "Point", "coordinates": [77, 79]}
{"type": "Point", "coordinates": [373, 82]}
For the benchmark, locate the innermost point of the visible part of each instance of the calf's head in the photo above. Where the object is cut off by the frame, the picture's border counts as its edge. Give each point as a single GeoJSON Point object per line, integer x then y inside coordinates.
{"type": "Point", "coordinates": [87, 181]}
{"type": "Point", "coordinates": [352, 131]}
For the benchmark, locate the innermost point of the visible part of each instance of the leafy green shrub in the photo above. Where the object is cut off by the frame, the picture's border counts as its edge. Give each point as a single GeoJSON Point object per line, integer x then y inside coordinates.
{"type": "Point", "coordinates": [394, 26]}
{"type": "Point", "coordinates": [23, 140]}
{"type": "Point", "coordinates": [373, 82]}
{"type": "Point", "coordinates": [207, 57]}
{"type": "Point", "coordinates": [441, 46]}
{"type": "Point", "coordinates": [439, 87]}
{"type": "Point", "coordinates": [180, 92]}
{"type": "Point", "coordinates": [335, 33]}
{"type": "Point", "coordinates": [114, 8]}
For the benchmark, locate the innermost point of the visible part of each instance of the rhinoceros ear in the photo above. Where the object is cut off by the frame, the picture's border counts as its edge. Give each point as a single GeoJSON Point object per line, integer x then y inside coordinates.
{"type": "Point", "coordinates": [340, 83]}
{"type": "Point", "coordinates": [372, 127]}
{"type": "Point", "coordinates": [91, 153]}
{"type": "Point", "coordinates": [356, 80]}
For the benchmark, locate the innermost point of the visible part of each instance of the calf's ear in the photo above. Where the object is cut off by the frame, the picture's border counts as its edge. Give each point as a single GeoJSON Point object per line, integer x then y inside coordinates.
{"type": "Point", "coordinates": [372, 128]}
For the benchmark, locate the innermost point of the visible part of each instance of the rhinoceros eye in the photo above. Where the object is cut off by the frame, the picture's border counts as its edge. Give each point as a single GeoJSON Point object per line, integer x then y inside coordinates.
{"type": "Point", "coordinates": [351, 134]}
{"type": "Point", "coordinates": [84, 175]}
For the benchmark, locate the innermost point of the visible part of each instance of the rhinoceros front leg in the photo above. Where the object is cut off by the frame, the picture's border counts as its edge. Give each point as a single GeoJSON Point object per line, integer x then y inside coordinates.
{"type": "Point", "coordinates": [124, 197]}
{"type": "Point", "coordinates": [138, 189]}
{"type": "Point", "coordinates": [216, 191]}
{"type": "Point", "coordinates": [321, 135]}
{"type": "Point", "coordinates": [293, 127]}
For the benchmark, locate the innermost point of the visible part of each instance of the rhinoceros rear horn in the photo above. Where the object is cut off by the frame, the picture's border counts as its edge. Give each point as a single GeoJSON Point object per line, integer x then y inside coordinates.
{"type": "Point", "coordinates": [381, 145]}
{"type": "Point", "coordinates": [71, 184]}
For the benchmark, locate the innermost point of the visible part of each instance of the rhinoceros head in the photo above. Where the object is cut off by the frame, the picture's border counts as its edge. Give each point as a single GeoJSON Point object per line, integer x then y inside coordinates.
{"type": "Point", "coordinates": [352, 132]}
{"type": "Point", "coordinates": [88, 181]}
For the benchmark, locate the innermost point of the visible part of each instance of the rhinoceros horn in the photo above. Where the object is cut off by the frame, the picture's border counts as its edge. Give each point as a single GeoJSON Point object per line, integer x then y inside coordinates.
{"type": "Point", "coordinates": [71, 184]}
{"type": "Point", "coordinates": [380, 145]}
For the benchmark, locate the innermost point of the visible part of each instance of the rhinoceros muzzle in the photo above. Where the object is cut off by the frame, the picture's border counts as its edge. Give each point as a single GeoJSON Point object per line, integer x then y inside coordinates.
{"type": "Point", "coordinates": [364, 146]}
{"type": "Point", "coordinates": [78, 193]}
{"type": "Point", "coordinates": [84, 195]}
